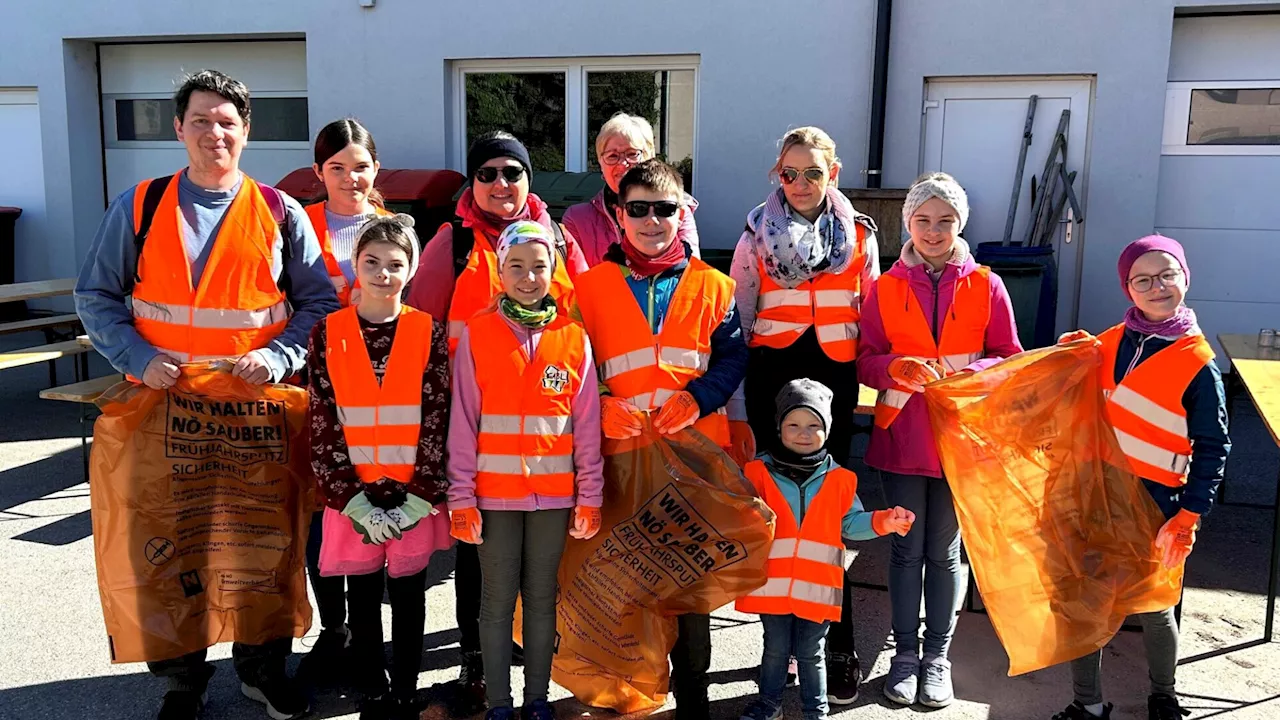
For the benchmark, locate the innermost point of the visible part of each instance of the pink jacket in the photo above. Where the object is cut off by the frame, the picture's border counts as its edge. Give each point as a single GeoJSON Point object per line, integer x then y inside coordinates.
{"type": "Point", "coordinates": [594, 227]}
{"type": "Point", "coordinates": [907, 446]}
{"type": "Point", "coordinates": [431, 288]}
{"type": "Point", "coordinates": [464, 426]}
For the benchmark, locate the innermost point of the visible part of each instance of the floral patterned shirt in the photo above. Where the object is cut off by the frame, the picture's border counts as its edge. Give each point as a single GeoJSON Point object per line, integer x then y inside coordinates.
{"type": "Point", "coordinates": [336, 480]}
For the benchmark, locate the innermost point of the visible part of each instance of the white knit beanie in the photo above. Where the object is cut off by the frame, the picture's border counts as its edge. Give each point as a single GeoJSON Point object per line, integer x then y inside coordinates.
{"type": "Point", "coordinates": [936, 185]}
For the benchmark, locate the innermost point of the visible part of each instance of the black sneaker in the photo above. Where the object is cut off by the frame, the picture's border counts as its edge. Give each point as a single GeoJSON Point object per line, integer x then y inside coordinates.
{"type": "Point", "coordinates": [1164, 707]}
{"type": "Point", "coordinates": [1076, 711]}
{"type": "Point", "coordinates": [377, 708]}
{"type": "Point", "coordinates": [843, 675]}
{"type": "Point", "coordinates": [537, 710]}
{"type": "Point", "coordinates": [469, 698]}
{"type": "Point", "coordinates": [280, 695]}
{"type": "Point", "coordinates": [326, 661]}
{"type": "Point", "coordinates": [406, 706]}
{"type": "Point", "coordinates": [181, 705]}
{"type": "Point", "coordinates": [693, 708]}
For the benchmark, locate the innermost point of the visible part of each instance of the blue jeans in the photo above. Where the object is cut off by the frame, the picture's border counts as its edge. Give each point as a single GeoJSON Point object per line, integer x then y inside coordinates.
{"type": "Point", "coordinates": [787, 636]}
{"type": "Point", "coordinates": [932, 546]}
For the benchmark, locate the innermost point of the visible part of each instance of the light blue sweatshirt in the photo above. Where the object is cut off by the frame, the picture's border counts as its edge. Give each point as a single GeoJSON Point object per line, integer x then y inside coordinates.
{"type": "Point", "coordinates": [857, 521]}
{"type": "Point", "coordinates": [103, 306]}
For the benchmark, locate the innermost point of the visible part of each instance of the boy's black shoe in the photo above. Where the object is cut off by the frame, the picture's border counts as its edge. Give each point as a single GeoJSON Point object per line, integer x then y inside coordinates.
{"type": "Point", "coordinates": [1076, 711]}
{"type": "Point", "coordinates": [281, 696]}
{"type": "Point", "coordinates": [181, 705]}
{"type": "Point", "coordinates": [326, 661]}
{"type": "Point", "coordinates": [843, 676]}
{"type": "Point", "coordinates": [1164, 707]}
{"type": "Point", "coordinates": [695, 707]}
{"type": "Point", "coordinates": [469, 697]}
{"type": "Point", "coordinates": [377, 708]}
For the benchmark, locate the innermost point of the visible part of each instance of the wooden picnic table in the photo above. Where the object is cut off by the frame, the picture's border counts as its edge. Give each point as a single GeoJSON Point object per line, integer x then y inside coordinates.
{"type": "Point", "coordinates": [18, 292]}
{"type": "Point", "coordinates": [1257, 371]}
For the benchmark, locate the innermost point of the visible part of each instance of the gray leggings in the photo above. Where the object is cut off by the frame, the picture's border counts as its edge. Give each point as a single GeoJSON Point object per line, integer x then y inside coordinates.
{"type": "Point", "coordinates": [1159, 634]}
{"type": "Point", "coordinates": [520, 554]}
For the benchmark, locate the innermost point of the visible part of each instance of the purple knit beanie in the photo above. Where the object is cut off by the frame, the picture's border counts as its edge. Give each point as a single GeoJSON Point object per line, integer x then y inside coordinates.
{"type": "Point", "coordinates": [1142, 246]}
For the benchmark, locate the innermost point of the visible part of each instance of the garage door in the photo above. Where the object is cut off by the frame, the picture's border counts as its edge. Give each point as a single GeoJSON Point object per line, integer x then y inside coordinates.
{"type": "Point", "coordinates": [21, 148]}
{"type": "Point", "coordinates": [138, 82]}
{"type": "Point", "coordinates": [1220, 167]}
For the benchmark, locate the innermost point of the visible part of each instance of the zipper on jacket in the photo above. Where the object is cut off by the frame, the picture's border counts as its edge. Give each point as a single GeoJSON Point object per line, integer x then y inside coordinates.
{"type": "Point", "coordinates": [653, 320]}
{"type": "Point", "coordinates": [1137, 356]}
{"type": "Point", "coordinates": [935, 328]}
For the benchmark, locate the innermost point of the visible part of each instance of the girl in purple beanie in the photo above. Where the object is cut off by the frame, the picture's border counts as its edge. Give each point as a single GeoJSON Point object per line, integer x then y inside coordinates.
{"type": "Point", "coordinates": [1166, 403]}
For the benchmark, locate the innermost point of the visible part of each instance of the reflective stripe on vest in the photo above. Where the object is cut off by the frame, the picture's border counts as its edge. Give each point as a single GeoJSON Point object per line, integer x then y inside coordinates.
{"type": "Point", "coordinates": [830, 303]}
{"type": "Point", "coordinates": [962, 337]}
{"type": "Point", "coordinates": [319, 223]}
{"type": "Point", "coordinates": [479, 282]}
{"type": "Point", "coordinates": [1145, 409]}
{"type": "Point", "coordinates": [381, 421]}
{"type": "Point", "coordinates": [645, 368]}
{"type": "Point", "coordinates": [236, 307]}
{"type": "Point", "coordinates": [805, 569]}
{"type": "Point", "coordinates": [525, 441]}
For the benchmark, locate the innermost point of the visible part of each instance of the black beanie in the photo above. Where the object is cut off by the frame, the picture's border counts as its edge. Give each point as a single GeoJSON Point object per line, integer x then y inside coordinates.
{"type": "Point", "coordinates": [486, 148]}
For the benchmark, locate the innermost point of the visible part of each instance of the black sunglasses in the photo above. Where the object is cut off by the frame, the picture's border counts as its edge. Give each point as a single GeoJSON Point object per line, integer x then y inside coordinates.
{"type": "Point", "coordinates": [662, 208]}
{"type": "Point", "coordinates": [789, 175]}
{"type": "Point", "coordinates": [512, 173]}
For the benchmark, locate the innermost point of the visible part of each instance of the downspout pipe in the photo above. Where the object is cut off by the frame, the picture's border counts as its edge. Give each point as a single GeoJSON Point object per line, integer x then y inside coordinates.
{"type": "Point", "coordinates": [879, 93]}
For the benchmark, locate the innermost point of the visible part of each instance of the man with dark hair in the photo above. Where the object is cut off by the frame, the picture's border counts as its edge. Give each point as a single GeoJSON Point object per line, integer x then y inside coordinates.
{"type": "Point", "coordinates": [249, 284]}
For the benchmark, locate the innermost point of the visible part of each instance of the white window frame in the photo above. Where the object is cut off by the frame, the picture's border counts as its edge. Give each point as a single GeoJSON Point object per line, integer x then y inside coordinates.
{"type": "Point", "coordinates": [575, 102]}
{"type": "Point", "coordinates": [1177, 117]}
{"type": "Point", "coordinates": [109, 131]}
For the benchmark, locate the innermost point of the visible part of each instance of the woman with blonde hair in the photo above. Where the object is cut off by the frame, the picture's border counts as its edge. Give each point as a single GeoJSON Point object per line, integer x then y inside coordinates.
{"type": "Point", "coordinates": [623, 142]}
{"type": "Point", "coordinates": [802, 267]}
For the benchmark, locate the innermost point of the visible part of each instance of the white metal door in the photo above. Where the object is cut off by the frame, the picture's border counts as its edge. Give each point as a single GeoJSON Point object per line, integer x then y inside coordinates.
{"type": "Point", "coordinates": [973, 131]}
{"type": "Point", "coordinates": [23, 187]}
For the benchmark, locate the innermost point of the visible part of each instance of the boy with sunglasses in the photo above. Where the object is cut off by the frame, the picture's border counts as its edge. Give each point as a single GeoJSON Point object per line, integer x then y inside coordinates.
{"type": "Point", "coordinates": [667, 343]}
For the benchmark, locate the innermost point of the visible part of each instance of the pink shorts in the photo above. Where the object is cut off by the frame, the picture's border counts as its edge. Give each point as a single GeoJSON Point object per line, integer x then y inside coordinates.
{"type": "Point", "coordinates": [344, 552]}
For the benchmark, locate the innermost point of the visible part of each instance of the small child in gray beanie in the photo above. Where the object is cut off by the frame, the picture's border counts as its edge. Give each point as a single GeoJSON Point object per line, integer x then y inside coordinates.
{"type": "Point", "coordinates": [817, 507]}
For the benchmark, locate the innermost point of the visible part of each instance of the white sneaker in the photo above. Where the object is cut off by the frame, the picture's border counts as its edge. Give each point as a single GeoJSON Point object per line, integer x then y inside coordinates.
{"type": "Point", "coordinates": [903, 681]}
{"type": "Point", "coordinates": [936, 690]}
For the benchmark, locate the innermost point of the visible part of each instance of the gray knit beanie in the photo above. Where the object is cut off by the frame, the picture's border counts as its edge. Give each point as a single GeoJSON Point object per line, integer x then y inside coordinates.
{"type": "Point", "coordinates": [808, 394]}
{"type": "Point", "coordinates": [936, 185]}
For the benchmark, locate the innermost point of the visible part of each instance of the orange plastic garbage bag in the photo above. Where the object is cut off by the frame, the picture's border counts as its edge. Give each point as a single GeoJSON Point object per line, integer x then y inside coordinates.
{"type": "Point", "coordinates": [1060, 534]}
{"type": "Point", "coordinates": [683, 532]}
{"type": "Point", "coordinates": [201, 502]}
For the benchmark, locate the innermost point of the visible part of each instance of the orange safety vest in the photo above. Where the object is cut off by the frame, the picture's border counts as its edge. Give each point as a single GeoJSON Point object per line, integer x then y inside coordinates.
{"type": "Point", "coordinates": [315, 213]}
{"type": "Point", "coordinates": [237, 306]}
{"type": "Point", "coordinates": [963, 332]}
{"type": "Point", "coordinates": [805, 569]}
{"type": "Point", "coordinates": [380, 421]}
{"type": "Point", "coordinates": [525, 443]}
{"type": "Point", "coordinates": [828, 302]}
{"type": "Point", "coordinates": [479, 282]}
{"type": "Point", "coordinates": [644, 368]}
{"type": "Point", "coordinates": [1145, 409]}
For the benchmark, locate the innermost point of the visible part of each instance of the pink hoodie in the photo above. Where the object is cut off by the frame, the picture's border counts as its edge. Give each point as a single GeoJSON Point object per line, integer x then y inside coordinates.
{"type": "Point", "coordinates": [907, 446]}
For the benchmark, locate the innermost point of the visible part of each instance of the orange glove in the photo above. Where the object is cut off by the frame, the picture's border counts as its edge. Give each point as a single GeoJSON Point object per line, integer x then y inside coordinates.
{"type": "Point", "coordinates": [742, 442]}
{"type": "Point", "coordinates": [465, 525]}
{"type": "Point", "coordinates": [586, 522]}
{"type": "Point", "coordinates": [1067, 338]}
{"type": "Point", "coordinates": [894, 520]}
{"type": "Point", "coordinates": [913, 373]}
{"type": "Point", "coordinates": [1176, 537]}
{"type": "Point", "coordinates": [676, 414]}
{"type": "Point", "coordinates": [618, 418]}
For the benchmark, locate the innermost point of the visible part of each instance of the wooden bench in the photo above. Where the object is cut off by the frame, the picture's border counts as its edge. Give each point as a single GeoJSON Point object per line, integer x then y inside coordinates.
{"type": "Point", "coordinates": [84, 394]}
{"type": "Point", "coordinates": [40, 323]}
{"type": "Point", "coordinates": [51, 353]}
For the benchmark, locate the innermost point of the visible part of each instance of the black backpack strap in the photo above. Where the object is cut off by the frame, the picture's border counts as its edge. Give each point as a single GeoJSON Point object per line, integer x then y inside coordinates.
{"type": "Point", "coordinates": [464, 240]}
{"type": "Point", "coordinates": [150, 202]}
{"type": "Point", "coordinates": [562, 246]}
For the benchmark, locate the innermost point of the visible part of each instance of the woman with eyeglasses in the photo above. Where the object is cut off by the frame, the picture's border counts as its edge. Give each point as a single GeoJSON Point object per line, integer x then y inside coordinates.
{"type": "Point", "coordinates": [459, 277]}
{"type": "Point", "coordinates": [624, 141]}
{"type": "Point", "coordinates": [936, 312]}
{"type": "Point", "coordinates": [802, 266]}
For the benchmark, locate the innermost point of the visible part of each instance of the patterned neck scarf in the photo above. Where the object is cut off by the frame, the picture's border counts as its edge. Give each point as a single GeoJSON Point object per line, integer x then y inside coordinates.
{"type": "Point", "coordinates": [532, 319]}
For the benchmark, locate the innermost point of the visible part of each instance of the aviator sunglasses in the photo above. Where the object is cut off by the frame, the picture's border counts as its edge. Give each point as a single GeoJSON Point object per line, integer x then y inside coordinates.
{"type": "Point", "coordinates": [789, 175]}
